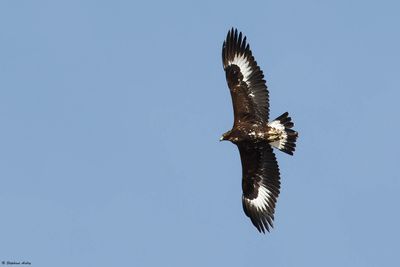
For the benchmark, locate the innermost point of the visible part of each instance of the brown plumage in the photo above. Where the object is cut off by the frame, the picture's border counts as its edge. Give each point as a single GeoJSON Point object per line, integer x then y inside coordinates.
{"type": "Point", "coordinates": [252, 132]}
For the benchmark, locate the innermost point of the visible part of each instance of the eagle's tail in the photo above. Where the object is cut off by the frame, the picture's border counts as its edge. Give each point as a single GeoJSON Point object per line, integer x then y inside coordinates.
{"type": "Point", "coordinates": [282, 135]}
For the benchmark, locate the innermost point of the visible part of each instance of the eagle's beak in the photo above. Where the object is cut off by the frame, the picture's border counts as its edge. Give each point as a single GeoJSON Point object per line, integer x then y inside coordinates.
{"type": "Point", "coordinates": [221, 139]}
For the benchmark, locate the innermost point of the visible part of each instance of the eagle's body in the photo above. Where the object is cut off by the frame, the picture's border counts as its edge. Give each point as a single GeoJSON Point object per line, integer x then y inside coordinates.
{"type": "Point", "coordinates": [253, 133]}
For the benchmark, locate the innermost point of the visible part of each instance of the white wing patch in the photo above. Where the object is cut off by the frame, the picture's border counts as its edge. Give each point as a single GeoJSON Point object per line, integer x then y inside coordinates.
{"type": "Point", "coordinates": [244, 65]}
{"type": "Point", "coordinates": [278, 130]}
{"type": "Point", "coordinates": [261, 202]}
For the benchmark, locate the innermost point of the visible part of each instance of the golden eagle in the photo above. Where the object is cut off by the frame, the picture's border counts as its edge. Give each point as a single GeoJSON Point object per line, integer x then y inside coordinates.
{"type": "Point", "coordinates": [253, 133]}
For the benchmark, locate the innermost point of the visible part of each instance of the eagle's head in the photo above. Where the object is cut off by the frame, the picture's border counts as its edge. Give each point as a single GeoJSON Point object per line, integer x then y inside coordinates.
{"type": "Point", "coordinates": [225, 136]}
{"type": "Point", "coordinates": [229, 136]}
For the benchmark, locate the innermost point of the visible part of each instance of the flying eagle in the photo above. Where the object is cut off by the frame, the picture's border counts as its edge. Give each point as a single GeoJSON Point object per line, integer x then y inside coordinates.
{"type": "Point", "coordinates": [252, 133]}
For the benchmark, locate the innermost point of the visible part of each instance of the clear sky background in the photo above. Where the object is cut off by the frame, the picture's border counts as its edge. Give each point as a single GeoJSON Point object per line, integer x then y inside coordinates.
{"type": "Point", "coordinates": [110, 118]}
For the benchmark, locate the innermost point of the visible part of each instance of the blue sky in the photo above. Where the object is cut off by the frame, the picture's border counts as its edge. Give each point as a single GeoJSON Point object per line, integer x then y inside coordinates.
{"type": "Point", "coordinates": [111, 112]}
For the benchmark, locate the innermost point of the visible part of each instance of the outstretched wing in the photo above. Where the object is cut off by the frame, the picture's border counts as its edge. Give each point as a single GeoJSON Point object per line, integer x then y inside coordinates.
{"type": "Point", "coordinates": [260, 183]}
{"type": "Point", "coordinates": [245, 80]}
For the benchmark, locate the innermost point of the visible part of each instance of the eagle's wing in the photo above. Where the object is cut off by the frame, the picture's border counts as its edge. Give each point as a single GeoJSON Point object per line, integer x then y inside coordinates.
{"type": "Point", "coordinates": [260, 183]}
{"type": "Point", "coordinates": [245, 80]}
